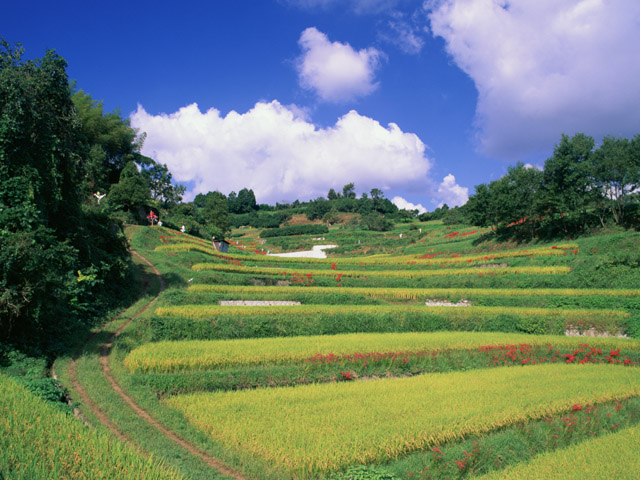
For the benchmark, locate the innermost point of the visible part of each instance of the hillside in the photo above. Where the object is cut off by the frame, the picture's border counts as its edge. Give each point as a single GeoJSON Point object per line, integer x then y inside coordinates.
{"type": "Point", "coordinates": [426, 314]}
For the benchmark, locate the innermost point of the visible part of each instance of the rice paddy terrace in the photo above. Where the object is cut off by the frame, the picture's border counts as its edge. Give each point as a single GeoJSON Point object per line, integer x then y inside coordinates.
{"type": "Point", "coordinates": [426, 356]}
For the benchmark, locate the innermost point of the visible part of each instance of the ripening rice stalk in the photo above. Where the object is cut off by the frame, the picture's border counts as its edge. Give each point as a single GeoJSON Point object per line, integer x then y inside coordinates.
{"type": "Point", "coordinates": [610, 456]}
{"type": "Point", "coordinates": [556, 250]}
{"type": "Point", "coordinates": [206, 311]}
{"type": "Point", "coordinates": [38, 440]}
{"type": "Point", "coordinates": [555, 270]}
{"type": "Point", "coordinates": [423, 293]}
{"type": "Point", "coordinates": [166, 357]}
{"type": "Point", "coordinates": [310, 430]}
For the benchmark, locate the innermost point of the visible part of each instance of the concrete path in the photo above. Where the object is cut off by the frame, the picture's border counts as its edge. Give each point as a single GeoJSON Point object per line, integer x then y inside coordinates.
{"type": "Point", "coordinates": [316, 252]}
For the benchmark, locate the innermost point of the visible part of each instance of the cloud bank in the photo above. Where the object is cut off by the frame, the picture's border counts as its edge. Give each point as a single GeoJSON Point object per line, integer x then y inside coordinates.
{"type": "Point", "coordinates": [403, 204]}
{"type": "Point", "coordinates": [451, 193]}
{"type": "Point", "coordinates": [280, 154]}
{"type": "Point", "coordinates": [335, 71]}
{"type": "Point", "coordinates": [545, 67]}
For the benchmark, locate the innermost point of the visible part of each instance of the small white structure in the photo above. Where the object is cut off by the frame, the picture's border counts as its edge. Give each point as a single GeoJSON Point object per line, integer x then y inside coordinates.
{"type": "Point", "coordinates": [99, 196]}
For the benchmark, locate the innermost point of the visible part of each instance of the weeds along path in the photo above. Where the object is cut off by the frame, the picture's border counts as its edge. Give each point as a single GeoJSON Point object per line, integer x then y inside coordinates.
{"type": "Point", "coordinates": [105, 350]}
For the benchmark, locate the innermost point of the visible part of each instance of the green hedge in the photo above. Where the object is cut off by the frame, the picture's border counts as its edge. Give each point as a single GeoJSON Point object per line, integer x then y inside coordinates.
{"type": "Point", "coordinates": [295, 230]}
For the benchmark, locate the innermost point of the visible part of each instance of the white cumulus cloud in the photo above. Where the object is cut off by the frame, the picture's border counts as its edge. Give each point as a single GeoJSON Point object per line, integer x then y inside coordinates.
{"type": "Point", "coordinates": [451, 193]}
{"type": "Point", "coordinates": [334, 70]}
{"type": "Point", "coordinates": [545, 67]}
{"type": "Point", "coordinates": [403, 204]}
{"type": "Point", "coordinates": [280, 154]}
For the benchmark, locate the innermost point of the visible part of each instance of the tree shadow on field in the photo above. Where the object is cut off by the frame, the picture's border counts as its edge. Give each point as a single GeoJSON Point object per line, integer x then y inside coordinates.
{"type": "Point", "coordinates": [173, 280]}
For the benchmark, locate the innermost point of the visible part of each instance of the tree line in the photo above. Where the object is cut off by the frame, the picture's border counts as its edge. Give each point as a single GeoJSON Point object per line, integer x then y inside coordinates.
{"type": "Point", "coordinates": [582, 186]}
{"type": "Point", "coordinates": [64, 260]}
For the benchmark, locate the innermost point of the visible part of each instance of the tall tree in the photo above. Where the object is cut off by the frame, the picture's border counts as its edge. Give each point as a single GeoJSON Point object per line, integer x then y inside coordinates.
{"type": "Point", "coordinates": [59, 266]}
{"type": "Point", "coordinates": [161, 187]}
{"type": "Point", "coordinates": [349, 191]}
{"type": "Point", "coordinates": [213, 212]}
{"type": "Point", "coordinates": [616, 173]}
{"type": "Point", "coordinates": [131, 193]}
{"type": "Point", "coordinates": [109, 142]}
{"type": "Point", "coordinates": [568, 181]}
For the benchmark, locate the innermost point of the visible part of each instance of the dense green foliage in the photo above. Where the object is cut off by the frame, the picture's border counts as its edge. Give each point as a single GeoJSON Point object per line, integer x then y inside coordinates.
{"type": "Point", "coordinates": [62, 263]}
{"type": "Point", "coordinates": [295, 230]}
{"type": "Point", "coordinates": [580, 187]}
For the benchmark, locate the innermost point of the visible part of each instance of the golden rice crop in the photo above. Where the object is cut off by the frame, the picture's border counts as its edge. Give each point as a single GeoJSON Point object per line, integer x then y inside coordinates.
{"type": "Point", "coordinates": [38, 440]}
{"type": "Point", "coordinates": [556, 250]}
{"type": "Point", "coordinates": [205, 311]}
{"type": "Point", "coordinates": [611, 456]}
{"type": "Point", "coordinates": [554, 270]}
{"type": "Point", "coordinates": [314, 429]}
{"type": "Point", "coordinates": [421, 293]}
{"type": "Point", "coordinates": [165, 357]}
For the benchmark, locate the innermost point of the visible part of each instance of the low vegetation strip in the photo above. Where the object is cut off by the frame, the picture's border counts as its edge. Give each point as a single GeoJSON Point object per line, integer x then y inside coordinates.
{"type": "Point", "coordinates": [165, 357]}
{"type": "Point", "coordinates": [341, 424]}
{"type": "Point", "coordinates": [423, 259]}
{"type": "Point", "coordinates": [40, 441]}
{"type": "Point", "coordinates": [212, 311]}
{"type": "Point", "coordinates": [204, 322]}
{"type": "Point", "coordinates": [422, 293]}
{"type": "Point", "coordinates": [555, 270]}
{"type": "Point", "coordinates": [611, 456]}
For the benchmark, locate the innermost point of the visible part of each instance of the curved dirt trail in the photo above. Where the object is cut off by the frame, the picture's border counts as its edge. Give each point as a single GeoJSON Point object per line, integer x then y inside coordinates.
{"type": "Point", "coordinates": [139, 411]}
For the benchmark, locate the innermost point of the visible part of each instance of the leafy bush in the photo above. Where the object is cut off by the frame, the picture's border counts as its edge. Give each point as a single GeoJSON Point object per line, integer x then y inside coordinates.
{"type": "Point", "coordinates": [295, 230]}
{"type": "Point", "coordinates": [362, 472]}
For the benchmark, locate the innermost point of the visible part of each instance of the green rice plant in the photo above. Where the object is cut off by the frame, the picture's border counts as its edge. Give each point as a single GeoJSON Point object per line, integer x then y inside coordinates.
{"type": "Point", "coordinates": [519, 444]}
{"type": "Point", "coordinates": [554, 270]}
{"type": "Point", "coordinates": [611, 456]}
{"type": "Point", "coordinates": [311, 430]}
{"type": "Point", "coordinates": [379, 259]}
{"type": "Point", "coordinates": [305, 311]}
{"type": "Point", "coordinates": [422, 293]}
{"type": "Point", "coordinates": [37, 440]}
{"type": "Point", "coordinates": [203, 355]}
{"type": "Point", "coordinates": [205, 322]}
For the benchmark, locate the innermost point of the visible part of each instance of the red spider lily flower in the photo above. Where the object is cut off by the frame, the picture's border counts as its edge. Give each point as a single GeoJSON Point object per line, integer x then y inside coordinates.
{"type": "Point", "coordinates": [346, 375]}
{"type": "Point", "coordinates": [437, 450]}
{"type": "Point", "coordinates": [461, 465]}
{"type": "Point", "coordinates": [576, 407]}
{"type": "Point", "coordinates": [614, 353]}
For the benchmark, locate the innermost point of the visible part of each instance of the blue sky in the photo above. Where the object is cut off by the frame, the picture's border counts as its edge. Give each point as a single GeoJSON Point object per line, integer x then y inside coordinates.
{"type": "Point", "coordinates": [422, 99]}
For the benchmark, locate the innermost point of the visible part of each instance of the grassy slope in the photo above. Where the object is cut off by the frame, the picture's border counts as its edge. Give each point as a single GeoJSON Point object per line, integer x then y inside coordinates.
{"type": "Point", "coordinates": [601, 266]}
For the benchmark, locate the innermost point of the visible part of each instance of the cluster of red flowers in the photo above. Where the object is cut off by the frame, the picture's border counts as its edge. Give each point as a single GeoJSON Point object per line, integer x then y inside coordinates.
{"type": "Point", "coordinates": [592, 420]}
{"type": "Point", "coordinates": [497, 355]}
{"type": "Point", "coordinates": [451, 235]}
{"type": "Point", "coordinates": [429, 256]}
{"type": "Point", "coordinates": [232, 261]}
{"type": "Point", "coordinates": [469, 233]}
{"type": "Point", "coordinates": [346, 375]}
{"type": "Point", "coordinates": [338, 279]}
{"type": "Point", "coordinates": [305, 280]}
{"type": "Point", "coordinates": [517, 222]}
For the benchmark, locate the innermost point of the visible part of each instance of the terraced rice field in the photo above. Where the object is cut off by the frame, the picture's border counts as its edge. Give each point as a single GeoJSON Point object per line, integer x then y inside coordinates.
{"type": "Point", "coordinates": [364, 377]}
